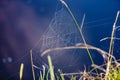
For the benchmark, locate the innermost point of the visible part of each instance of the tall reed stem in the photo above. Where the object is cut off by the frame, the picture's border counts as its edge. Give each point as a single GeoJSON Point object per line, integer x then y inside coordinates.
{"type": "Point", "coordinates": [111, 46]}
{"type": "Point", "coordinates": [79, 31]}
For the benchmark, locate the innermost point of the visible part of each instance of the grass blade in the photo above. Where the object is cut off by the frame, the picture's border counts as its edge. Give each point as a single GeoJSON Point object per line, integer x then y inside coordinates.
{"type": "Point", "coordinates": [21, 71]}
{"type": "Point", "coordinates": [52, 76]}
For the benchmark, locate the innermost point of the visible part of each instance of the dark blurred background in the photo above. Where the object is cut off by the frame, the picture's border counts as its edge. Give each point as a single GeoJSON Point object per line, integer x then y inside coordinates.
{"type": "Point", "coordinates": [22, 23]}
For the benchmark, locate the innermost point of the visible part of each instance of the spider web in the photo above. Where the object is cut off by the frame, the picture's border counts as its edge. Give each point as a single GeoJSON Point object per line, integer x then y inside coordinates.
{"type": "Point", "coordinates": [63, 32]}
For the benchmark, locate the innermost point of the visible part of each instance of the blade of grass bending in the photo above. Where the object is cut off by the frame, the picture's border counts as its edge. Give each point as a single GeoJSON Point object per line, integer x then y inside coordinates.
{"type": "Point", "coordinates": [77, 46]}
{"type": "Point", "coordinates": [21, 71]}
{"type": "Point", "coordinates": [33, 73]}
{"type": "Point", "coordinates": [109, 38]}
{"type": "Point", "coordinates": [79, 31]}
{"type": "Point", "coordinates": [51, 68]}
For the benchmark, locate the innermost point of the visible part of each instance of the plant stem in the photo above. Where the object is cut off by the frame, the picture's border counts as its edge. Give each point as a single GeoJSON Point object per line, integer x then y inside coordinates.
{"type": "Point", "coordinates": [33, 73]}
{"type": "Point", "coordinates": [111, 46]}
{"type": "Point", "coordinates": [80, 31]}
{"type": "Point", "coordinates": [51, 68]}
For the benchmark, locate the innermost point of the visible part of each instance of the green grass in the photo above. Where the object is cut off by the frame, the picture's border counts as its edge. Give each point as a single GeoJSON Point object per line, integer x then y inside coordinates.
{"type": "Point", "coordinates": [52, 76]}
